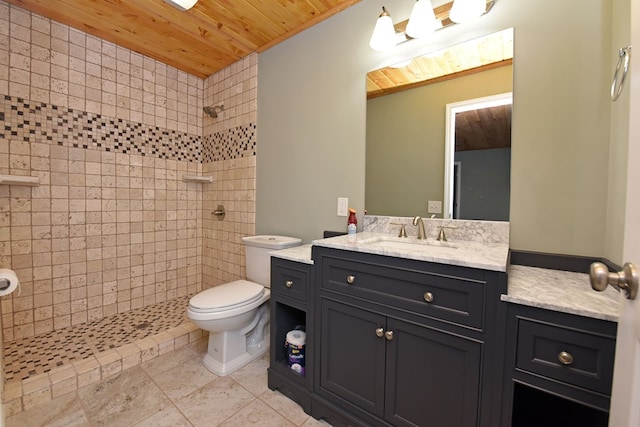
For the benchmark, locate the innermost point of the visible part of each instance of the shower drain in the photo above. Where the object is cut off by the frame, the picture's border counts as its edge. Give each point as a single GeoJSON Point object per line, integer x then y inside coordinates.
{"type": "Point", "coordinates": [143, 325]}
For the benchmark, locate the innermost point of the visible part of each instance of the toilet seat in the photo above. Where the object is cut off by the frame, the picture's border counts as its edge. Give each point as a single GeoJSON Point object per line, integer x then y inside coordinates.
{"type": "Point", "coordinates": [226, 297]}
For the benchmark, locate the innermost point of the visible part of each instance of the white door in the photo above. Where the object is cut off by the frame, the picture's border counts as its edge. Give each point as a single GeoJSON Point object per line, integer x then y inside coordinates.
{"type": "Point", "coordinates": [625, 399]}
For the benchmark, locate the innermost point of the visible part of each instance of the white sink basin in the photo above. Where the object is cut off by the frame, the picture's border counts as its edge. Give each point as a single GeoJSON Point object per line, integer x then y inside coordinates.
{"type": "Point", "coordinates": [409, 244]}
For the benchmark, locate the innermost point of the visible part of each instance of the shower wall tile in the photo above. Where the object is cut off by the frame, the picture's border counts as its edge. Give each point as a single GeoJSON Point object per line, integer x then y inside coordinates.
{"type": "Point", "coordinates": [109, 132]}
{"type": "Point", "coordinates": [229, 155]}
{"type": "Point", "coordinates": [104, 233]}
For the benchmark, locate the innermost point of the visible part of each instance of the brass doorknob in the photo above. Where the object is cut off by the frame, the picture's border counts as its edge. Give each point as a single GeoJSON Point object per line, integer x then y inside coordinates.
{"type": "Point", "coordinates": [626, 280]}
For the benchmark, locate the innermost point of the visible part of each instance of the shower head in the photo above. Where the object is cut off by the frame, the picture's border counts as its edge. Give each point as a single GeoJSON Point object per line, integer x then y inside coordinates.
{"type": "Point", "coordinates": [213, 111]}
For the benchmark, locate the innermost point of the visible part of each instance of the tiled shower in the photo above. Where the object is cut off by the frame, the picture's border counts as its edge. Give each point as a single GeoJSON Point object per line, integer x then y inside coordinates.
{"type": "Point", "coordinates": [113, 232]}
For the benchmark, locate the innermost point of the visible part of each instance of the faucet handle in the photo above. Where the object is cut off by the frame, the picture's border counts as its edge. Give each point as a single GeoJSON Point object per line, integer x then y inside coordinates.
{"type": "Point", "coordinates": [403, 230]}
{"type": "Point", "coordinates": [441, 236]}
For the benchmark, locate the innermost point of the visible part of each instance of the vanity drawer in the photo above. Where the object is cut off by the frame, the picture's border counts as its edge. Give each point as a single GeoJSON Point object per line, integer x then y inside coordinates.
{"type": "Point", "coordinates": [573, 356]}
{"type": "Point", "coordinates": [289, 279]}
{"type": "Point", "coordinates": [438, 295]}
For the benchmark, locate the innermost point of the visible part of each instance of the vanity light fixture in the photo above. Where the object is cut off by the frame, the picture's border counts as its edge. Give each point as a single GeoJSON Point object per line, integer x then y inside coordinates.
{"type": "Point", "coordinates": [384, 35]}
{"type": "Point", "coordinates": [182, 4]}
{"type": "Point", "coordinates": [467, 10]}
{"type": "Point", "coordinates": [422, 21]}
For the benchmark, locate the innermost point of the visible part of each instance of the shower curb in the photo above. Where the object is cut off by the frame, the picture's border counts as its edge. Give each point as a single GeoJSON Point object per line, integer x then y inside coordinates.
{"type": "Point", "coordinates": [22, 395]}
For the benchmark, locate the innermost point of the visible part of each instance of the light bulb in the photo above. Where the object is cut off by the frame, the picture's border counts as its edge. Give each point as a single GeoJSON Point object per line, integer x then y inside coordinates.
{"type": "Point", "coordinates": [384, 35]}
{"type": "Point", "coordinates": [467, 10]}
{"type": "Point", "coordinates": [422, 21]}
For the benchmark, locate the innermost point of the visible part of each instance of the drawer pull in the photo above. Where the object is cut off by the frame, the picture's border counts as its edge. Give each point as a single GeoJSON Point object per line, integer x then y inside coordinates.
{"type": "Point", "coordinates": [379, 332]}
{"type": "Point", "coordinates": [288, 283]}
{"type": "Point", "coordinates": [351, 279]}
{"type": "Point", "coordinates": [565, 358]}
{"type": "Point", "coordinates": [428, 297]}
{"type": "Point", "coordinates": [388, 335]}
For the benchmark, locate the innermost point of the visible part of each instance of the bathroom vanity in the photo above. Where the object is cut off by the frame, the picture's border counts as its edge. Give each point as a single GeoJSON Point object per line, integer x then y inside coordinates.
{"type": "Point", "coordinates": [399, 331]}
{"type": "Point", "coordinates": [405, 342]}
{"type": "Point", "coordinates": [560, 349]}
{"type": "Point", "coordinates": [429, 335]}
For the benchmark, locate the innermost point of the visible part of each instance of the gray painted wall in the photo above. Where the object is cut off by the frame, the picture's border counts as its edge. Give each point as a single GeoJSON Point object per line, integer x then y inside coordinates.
{"type": "Point", "coordinates": [311, 120]}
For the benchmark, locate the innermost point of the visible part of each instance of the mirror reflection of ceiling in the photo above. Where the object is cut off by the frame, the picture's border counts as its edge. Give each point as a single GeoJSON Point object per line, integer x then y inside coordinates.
{"type": "Point", "coordinates": [473, 56]}
{"type": "Point", "coordinates": [484, 128]}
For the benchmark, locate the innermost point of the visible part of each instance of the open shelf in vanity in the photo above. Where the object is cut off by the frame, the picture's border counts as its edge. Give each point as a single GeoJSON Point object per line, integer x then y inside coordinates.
{"type": "Point", "coordinates": [290, 283]}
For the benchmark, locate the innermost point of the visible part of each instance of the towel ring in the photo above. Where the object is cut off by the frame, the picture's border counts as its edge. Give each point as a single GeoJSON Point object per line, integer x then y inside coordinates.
{"type": "Point", "coordinates": [616, 86]}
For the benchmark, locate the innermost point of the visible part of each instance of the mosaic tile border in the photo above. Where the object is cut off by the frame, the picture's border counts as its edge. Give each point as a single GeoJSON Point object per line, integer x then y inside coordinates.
{"type": "Point", "coordinates": [40, 122]}
{"type": "Point", "coordinates": [231, 144]}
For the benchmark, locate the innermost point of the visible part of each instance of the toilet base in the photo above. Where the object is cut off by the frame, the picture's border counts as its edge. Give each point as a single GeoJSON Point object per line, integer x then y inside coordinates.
{"type": "Point", "coordinates": [222, 369]}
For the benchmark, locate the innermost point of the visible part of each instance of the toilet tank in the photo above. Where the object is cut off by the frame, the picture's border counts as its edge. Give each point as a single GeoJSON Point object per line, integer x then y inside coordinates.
{"type": "Point", "coordinates": [258, 260]}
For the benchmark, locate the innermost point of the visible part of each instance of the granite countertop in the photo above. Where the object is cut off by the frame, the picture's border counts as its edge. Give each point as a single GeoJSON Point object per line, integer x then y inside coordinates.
{"type": "Point", "coordinates": [562, 291]}
{"type": "Point", "coordinates": [474, 254]}
{"type": "Point", "coordinates": [297, 253]}
{"type": "Point", "coordinates": [555, 290]}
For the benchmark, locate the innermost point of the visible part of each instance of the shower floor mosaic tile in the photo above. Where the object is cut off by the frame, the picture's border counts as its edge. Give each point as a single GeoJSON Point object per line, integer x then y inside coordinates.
{"type": "Point", "coordinates": [32, 356]}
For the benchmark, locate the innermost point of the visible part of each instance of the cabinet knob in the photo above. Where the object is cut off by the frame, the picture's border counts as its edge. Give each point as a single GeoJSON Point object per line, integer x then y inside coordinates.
{"type": "Point", "coordinates": [428, 297]}
{"type": "Point", "coordinates": [379, 332]}
{"type": "Point", "coordinates": [351, 279]}
{"type": "Point", "coordinates": [288, 283]}
{"type": "Point", "coordinates": [388, 335]}
{"type": "Point", "coordinates": [565, 358]}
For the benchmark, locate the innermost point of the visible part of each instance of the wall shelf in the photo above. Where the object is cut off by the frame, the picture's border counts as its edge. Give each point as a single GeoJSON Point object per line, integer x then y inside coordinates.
{"type": "Point", "coordinates": [31, 181]}
{"type": "Point", "coordinates": [196, 178]}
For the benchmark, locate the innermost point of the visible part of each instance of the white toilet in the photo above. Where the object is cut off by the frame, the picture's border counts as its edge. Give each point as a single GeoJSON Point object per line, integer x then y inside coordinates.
{"type": "Point", "coordinates": [236, 314]}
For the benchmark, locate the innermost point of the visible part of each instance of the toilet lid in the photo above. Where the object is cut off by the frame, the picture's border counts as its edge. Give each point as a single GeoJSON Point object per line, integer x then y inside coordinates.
{"type": "Point", "coordinates": [227, 296]}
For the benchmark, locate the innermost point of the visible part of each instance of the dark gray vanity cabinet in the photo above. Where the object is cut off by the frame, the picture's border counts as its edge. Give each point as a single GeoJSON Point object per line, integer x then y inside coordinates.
{"type": "Point", "coordinates": [291, 284]}
{"type": "Point", "coordinates": [557, 361]}
{"type": "Point", "coordinates": [406, 343]}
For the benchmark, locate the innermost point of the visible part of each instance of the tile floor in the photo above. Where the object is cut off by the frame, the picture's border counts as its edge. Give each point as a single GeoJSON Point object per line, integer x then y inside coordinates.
{"type": "Point", "coordinates": [174, 389]}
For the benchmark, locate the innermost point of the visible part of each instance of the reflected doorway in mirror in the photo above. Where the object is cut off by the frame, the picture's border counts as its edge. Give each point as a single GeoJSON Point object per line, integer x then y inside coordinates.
{"type": "Point", "coordinates": [478, 138]}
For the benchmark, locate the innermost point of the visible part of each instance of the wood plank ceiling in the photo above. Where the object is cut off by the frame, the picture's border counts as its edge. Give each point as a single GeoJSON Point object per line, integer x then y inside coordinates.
{"type": "Point", "coordinates": [200, 41]}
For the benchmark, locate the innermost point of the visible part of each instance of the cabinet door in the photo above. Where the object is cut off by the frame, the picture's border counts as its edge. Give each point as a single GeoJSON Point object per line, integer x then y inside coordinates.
{"type": "Point", "coordinates": [352, 356]}
{"type": "Point", "coordinates": [433, 377]}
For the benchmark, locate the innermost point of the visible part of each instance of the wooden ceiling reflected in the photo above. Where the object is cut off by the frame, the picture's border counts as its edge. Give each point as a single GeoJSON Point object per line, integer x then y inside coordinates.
{"type": "Point", "coordinates": [473, 56]}
{"type": "Point", "coordinates": [484, 128]}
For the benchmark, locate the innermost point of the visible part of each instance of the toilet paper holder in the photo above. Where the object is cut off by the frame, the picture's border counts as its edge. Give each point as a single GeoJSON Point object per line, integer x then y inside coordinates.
{"type": "Point", "coordinates": [4, 284]}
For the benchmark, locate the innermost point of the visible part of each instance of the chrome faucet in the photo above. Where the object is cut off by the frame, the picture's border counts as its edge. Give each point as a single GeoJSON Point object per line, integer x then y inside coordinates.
{"type": "Point", "coordinates": [421, 233]}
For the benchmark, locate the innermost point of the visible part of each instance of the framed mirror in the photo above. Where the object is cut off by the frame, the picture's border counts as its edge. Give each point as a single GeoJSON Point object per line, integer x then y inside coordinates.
{"type": "Point", "coordinates": [406, 120]}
